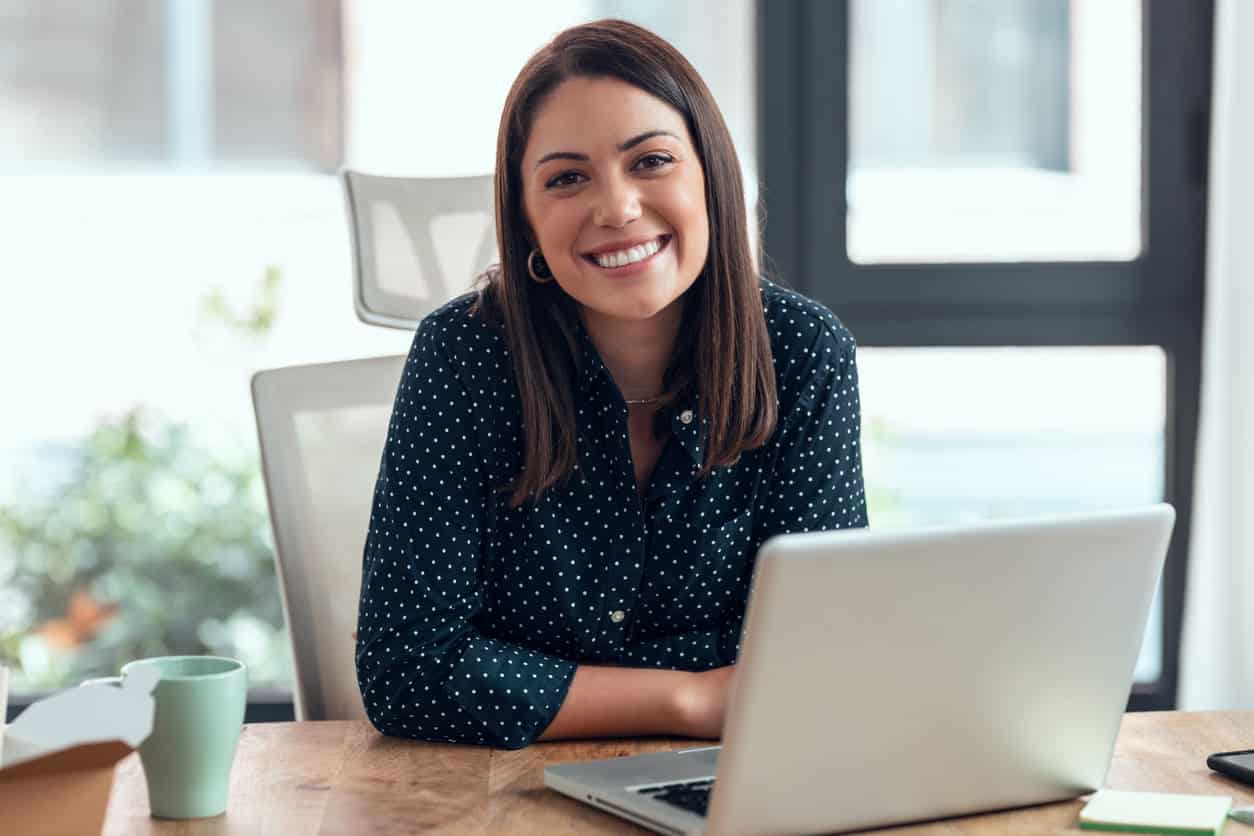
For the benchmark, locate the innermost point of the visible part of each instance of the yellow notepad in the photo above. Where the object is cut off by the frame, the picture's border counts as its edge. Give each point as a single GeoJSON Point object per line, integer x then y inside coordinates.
{"type": "Point", "coordinates": [1155, 812]}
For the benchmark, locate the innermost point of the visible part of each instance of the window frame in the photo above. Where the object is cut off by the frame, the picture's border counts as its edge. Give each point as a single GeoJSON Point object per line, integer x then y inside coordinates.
{"type": "Point", "coordinates": [1155, 299]}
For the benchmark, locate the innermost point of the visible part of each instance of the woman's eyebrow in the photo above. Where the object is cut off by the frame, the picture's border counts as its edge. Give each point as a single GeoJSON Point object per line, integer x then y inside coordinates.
{"type": "Point", "coordinates": [626, 145]}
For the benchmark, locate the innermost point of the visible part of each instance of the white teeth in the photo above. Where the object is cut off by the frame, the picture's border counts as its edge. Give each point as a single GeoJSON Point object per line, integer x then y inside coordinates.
{"type": "Point", "coordinates": [630, 256]}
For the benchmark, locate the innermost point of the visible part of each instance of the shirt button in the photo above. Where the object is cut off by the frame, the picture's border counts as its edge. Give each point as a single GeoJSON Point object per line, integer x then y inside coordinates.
{"type": "Point", "coordinates": [686, 416]}
{"type": "Point", "coordinates": [617, 616]}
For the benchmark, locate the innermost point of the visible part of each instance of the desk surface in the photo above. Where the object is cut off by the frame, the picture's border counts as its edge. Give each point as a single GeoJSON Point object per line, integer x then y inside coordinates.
{"type": "Point", "coordinates": [344, 777]}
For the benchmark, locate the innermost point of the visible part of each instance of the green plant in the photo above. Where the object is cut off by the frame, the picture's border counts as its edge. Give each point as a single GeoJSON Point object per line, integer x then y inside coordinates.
{"type": "Point", "coordinates": [153, 545]}
{"type": "Point", "coordinates": [258, 320]}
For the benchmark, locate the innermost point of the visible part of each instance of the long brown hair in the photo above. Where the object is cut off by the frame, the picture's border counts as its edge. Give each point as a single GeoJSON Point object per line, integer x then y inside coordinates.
{"type": "Point", "coordinates": [723, 355]}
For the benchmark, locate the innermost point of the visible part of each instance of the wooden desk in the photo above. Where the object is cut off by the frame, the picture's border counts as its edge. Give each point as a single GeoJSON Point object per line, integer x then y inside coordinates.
{"type": "Point", "coordinates": [343, 777]}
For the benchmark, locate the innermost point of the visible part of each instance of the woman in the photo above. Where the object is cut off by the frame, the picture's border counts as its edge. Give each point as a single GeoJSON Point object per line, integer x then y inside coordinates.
{"type": "Point", "coordinates": [586, 452]}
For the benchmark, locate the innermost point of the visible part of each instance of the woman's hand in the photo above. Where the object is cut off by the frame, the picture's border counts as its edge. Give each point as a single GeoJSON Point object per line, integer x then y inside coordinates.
{"type": "Point", "coordinates": [702, 702]}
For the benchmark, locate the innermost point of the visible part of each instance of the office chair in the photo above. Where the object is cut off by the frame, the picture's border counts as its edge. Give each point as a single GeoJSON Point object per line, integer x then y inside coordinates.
{"type": "Point", "coordinates": [417, 242]}
{"type": "Point", "coordinates": [322, 428]}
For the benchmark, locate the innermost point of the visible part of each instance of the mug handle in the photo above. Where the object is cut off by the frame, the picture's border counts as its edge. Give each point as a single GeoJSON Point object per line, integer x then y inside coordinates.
{"type": "Point", "coordinates": [116, 680]}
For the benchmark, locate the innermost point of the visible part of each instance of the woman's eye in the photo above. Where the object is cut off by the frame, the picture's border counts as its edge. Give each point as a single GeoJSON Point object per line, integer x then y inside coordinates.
{"type": "Point", "coordinates": [558, 181]}
{"type": "Point", "coordinates": [663, 159]}
{"type": "Point", "coordinates": [561, 181]}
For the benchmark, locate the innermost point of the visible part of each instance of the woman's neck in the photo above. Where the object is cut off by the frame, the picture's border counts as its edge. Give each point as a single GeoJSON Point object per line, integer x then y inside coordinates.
{"type": "Point", "coordinates": [636, 352]}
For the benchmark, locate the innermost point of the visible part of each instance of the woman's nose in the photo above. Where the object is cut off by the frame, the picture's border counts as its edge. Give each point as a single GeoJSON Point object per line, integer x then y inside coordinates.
{"type": "Point", "coordinates": [617, 204]}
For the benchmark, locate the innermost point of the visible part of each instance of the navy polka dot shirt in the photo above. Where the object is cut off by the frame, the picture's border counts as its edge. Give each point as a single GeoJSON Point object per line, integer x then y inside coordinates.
{"type": "Point", "coordinates": [473, 617]}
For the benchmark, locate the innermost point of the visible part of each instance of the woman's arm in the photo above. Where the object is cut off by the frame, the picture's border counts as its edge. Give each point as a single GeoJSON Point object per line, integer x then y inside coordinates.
{"type": "Point", "coordinates": [424, 668]}
{"type": "Point", "coordinates": [608, 701]}
{"type": "Point", "coordinates": [624, 702]}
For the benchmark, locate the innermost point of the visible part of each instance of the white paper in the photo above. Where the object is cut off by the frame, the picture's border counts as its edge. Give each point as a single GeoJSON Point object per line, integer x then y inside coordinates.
{"type": "Point", "coordinates": [88, 714]}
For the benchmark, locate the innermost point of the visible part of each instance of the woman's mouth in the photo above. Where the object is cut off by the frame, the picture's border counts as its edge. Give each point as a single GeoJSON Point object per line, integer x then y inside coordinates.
{"type": "Point", "coordinates": [632, 267]}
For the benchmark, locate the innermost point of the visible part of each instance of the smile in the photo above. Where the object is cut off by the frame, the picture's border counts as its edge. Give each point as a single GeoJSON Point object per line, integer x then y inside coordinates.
{"type": "Point", "coordinates": [630, 261]}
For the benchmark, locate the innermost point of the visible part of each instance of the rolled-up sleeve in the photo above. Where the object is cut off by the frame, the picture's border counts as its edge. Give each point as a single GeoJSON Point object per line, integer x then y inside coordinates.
{"type": "Point", "coordinates": [424, 668]}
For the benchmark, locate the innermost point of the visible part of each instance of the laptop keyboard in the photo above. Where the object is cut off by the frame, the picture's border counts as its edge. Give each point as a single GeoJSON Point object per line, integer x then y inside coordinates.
{"type": "Point", "coordinates": [693, 796]}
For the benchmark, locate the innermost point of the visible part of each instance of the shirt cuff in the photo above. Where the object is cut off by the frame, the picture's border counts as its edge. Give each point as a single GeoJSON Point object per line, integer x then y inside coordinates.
{"type": "Point", "coordinates": [514, 692]}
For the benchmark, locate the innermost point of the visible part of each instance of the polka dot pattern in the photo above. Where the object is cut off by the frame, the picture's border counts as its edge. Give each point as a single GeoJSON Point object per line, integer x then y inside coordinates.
{"type": "Point", "coordinates": [473, 617]}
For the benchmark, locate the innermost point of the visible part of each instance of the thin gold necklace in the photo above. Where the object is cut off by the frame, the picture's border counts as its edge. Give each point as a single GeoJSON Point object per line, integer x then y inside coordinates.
{"type": "Point", "coordinates": [643, 400]}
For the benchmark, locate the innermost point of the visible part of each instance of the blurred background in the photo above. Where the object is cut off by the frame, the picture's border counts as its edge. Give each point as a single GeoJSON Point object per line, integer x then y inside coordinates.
{"type": "Point", "coordinates": [969, 184]}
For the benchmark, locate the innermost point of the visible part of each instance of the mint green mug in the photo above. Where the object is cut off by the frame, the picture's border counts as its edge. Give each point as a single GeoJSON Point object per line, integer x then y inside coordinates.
{"type": "Point", "coordinates": [196, 727]}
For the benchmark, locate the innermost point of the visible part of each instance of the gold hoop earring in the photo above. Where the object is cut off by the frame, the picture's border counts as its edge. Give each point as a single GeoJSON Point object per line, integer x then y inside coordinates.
{"type": "Point", "coordinates": [545, 274]}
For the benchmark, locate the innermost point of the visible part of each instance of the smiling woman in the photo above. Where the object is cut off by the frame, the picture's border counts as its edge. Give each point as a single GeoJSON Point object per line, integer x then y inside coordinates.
{"type": "Point", "coordinates": [605, 142]}
{"type": "Point", "coordinates": [615, 200]}
{"type": "Point", "coordinates": [586, 452]}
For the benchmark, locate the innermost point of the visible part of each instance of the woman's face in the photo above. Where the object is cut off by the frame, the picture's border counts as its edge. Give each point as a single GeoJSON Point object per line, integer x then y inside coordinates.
{"type": "Point", "coordinates": [608, 165]}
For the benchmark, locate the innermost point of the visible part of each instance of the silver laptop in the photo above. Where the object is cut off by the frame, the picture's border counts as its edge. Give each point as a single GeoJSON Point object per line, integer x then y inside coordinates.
{"type": "Point", "coordinates": [896, 676]}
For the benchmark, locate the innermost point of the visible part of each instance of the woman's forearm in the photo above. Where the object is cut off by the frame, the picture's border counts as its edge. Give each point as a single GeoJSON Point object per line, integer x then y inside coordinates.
{"type": "Point", "coordinates": [607, 701]}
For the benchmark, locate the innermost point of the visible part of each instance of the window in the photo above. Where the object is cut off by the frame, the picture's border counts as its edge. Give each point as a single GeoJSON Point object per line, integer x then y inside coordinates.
{"type": "Point", "coordinates": [161, 84]}
{"type": "Point", "coordinates": [1005, 201]}
{"type": "Point", "coordinates": [994, 131]}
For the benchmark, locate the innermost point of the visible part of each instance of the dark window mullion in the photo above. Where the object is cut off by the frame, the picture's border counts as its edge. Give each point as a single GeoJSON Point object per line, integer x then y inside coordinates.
{"type": "Point", "coordinates": [824, 152]}
{"type": "Point", "coordinates": [779, 99]}
{"type": "Point", "coordinates": [1177, 69]}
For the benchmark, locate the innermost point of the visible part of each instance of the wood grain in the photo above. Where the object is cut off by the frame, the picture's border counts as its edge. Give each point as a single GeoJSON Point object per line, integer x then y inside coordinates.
{"type": "Point", "coordinates": [346, 778]}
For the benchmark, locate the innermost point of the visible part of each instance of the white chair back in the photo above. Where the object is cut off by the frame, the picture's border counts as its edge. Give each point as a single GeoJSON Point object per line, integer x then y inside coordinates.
{"type": "Point", "coordinates": [322, 429]}
{"type": "Point", "coordinates": [417, 242]}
